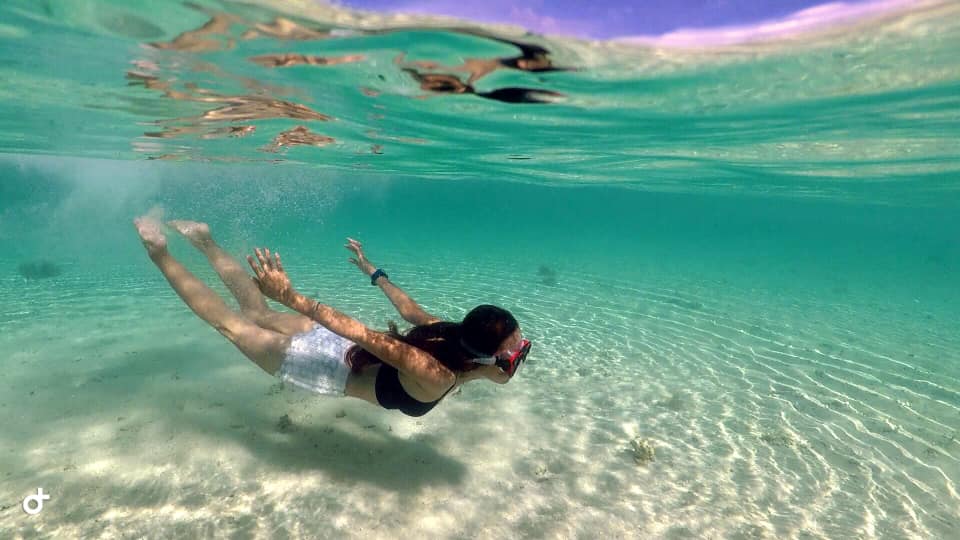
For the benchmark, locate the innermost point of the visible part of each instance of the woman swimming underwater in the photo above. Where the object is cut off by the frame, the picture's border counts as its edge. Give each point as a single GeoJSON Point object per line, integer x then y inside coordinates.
{"type": "Point", "coordinates": [327, 352]}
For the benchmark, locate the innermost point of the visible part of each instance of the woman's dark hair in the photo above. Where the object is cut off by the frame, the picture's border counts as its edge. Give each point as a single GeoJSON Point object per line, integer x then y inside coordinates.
{"type": "Point", "coordinates": [483, 330]}
{"type": "Point", "coordinates": [513, 94]}
{"type": "Point", "coordinates": [544, 67]}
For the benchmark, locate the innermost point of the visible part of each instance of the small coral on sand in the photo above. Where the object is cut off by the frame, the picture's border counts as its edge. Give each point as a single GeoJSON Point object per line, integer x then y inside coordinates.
{"type": "Point", "coordinates": [548, 276]}
{"type": "Point", "coordinates": [642, 451]}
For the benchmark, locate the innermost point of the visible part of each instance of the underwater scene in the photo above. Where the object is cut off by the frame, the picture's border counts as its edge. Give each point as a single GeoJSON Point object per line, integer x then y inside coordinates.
{"type": "Point", "coordinates": [735, 253]}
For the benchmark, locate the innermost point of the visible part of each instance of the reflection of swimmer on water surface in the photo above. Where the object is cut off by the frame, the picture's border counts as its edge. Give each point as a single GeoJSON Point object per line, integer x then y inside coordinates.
{"type": "Point", "coordinates": [217, 34]}
{"type": "Point", "coordinates": [532, 58]}
{"type": "Point", "coordinates": [206, 37]}
{"type": "Point", "coordinates": [443, 83]}
{"type": "Point", "coordinates": [294, 59]}
{"type": "Point", "coordinates": [226, 109]}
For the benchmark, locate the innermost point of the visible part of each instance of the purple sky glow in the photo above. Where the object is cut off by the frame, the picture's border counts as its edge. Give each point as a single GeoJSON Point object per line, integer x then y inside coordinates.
{"type": "Point", "coordinates": [661, 22]}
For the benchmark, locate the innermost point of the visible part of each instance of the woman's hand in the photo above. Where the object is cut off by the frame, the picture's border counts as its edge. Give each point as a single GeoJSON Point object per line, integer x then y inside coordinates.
{"type": "Point", "coordinates": [360, 260]}
{"type": "Point", "coordinates": [271, 277]}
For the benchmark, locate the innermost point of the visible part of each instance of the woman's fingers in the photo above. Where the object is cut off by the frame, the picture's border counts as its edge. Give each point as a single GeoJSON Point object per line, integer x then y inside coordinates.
{"type": "Point", "coordinates": [266, 263]}
{"type": "Point", "coordinates": [256, 269]}
{"type": "Point", "coordinates": [264, 258]}
{"type": "Point", "coordinates": [354, 246]}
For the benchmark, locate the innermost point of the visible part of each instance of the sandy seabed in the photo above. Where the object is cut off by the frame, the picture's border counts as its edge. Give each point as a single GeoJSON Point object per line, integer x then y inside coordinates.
{"type": "Point", "coordinates": [770, 416]}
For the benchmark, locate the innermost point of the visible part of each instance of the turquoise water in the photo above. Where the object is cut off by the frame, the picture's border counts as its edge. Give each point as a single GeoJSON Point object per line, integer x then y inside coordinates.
{"type": "Point", "coordinates": [744, 256]}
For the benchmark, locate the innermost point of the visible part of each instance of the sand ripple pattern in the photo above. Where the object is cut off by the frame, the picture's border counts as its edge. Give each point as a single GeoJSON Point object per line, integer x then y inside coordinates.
{"type": "Point", "coordinates": [771, 417]}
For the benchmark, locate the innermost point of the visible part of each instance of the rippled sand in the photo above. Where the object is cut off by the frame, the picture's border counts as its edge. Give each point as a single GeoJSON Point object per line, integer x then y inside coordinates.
{"type": "Point", "coordinates": [772, 415]}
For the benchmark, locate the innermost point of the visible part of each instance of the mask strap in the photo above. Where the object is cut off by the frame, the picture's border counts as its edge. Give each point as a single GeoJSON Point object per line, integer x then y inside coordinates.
{"type": "Point", "coordinates": [480, 358]}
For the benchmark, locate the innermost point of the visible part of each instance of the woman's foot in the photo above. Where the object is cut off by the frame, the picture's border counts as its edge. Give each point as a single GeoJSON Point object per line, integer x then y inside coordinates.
{"type": "Point", "coordinates": [153, 239]}
{"type": "Point", "coordinates": [198, 233]}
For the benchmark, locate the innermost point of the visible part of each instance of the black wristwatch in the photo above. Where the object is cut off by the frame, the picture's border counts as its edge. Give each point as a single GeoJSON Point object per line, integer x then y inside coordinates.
{"type": "Point", "coordinates": [377, 274]}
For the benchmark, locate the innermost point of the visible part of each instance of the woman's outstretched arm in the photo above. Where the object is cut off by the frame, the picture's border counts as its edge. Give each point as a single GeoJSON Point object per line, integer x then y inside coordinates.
{"type": "Point", "coordinates": [273, 282]}
{"type": "Point", "coordinates": [406, 306]}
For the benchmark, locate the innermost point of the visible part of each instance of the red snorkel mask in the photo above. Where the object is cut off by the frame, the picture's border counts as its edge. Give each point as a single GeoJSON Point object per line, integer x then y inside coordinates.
{"type": "Point", "coordinates": [509, 362]}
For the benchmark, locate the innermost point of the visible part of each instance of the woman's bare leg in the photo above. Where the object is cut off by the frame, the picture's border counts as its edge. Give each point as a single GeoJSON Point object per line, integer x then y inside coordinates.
{"type": "Point", "coordinates": [266, 348]}
{"type": "Point", "coordinates": [235, 277]}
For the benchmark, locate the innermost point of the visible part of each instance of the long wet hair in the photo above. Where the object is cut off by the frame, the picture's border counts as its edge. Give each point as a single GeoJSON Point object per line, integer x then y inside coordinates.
{"type": "Point", "coordinates": [483, 330]}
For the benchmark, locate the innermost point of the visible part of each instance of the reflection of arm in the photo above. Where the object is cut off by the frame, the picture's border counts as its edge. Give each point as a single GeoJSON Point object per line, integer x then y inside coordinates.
{"type": "Point", "coordinates": [476, 67]}
{"type": "Point", "coordinates": [409, 310]}
{"type": "Point", "coordinates": [479, 68]}
{"type": "Point", "coordinates": [401, 60]}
